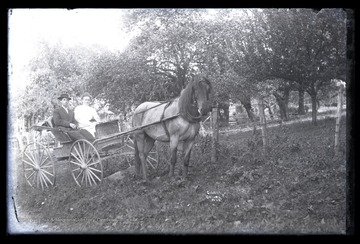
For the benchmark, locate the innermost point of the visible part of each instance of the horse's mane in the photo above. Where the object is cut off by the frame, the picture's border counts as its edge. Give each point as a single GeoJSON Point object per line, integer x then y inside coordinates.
{"type": "Point", "coordinates": [186, 108]}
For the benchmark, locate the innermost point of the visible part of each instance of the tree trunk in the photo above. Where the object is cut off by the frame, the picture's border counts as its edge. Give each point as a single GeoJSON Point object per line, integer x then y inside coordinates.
{"type": "Point", "coordinates": [215, 134]}
{"type": "Point", "coordinates": [223, 117]}
{"type": "Point", "coordinates": [263, 124]}
{"type": "Point", "coordinates": [314, 109]}
{"type": "Point", "coordinates": [338, 121]}
{"type": "Point", "coordinates": [301, 108]}
{"type": "Point", "coordinates": [247, 105]}
{"type": "Point", "coordinates": [282, 107]}
{"type": "Point", "coordinates": [283, 110]}
{"type": "Point", "coordinates": [181, 78]}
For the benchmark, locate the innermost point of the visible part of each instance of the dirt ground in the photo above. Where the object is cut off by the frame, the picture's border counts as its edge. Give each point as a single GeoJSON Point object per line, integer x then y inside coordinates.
{"type": "Point", "coordinates": [298, 188]}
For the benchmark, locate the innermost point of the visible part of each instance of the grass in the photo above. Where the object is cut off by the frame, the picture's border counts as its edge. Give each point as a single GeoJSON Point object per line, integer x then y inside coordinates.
{"type": "Point", "coordinates": [299, 188]}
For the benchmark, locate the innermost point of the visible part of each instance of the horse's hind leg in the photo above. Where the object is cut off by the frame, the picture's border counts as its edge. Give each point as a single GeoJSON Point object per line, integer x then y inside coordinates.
{"type": "Point", "coordinates": [173, 154]}
{"type": "Point", "coordinates": [187, 151]}
{"type": "Point", "coordinates": [149, 144]}
{"type": "Point", "coordinates": [137, 158]}
{"type": "Point", "coordinates": [140, 143]}
{"type": "Point", "coordinates": [144, 142]}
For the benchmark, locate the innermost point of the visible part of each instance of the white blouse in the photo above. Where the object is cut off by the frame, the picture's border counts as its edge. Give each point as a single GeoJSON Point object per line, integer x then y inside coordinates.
{"type": "Point", "coordinates": [83, 115]}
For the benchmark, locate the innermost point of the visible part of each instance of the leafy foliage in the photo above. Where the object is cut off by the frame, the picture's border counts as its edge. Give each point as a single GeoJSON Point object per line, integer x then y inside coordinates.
{"type": "Point", "coordinates": [56, 69]}
{"type": "Point", "coordinates": [242, 51]}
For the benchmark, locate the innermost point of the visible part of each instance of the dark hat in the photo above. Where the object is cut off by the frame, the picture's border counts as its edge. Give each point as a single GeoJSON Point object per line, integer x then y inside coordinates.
{"type": "Point", "coordinates": [64, 96]}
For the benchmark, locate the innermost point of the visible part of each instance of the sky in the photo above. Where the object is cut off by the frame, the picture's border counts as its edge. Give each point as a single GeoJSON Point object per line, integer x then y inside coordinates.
{"type": "Point", "coordinates": [72, 27]}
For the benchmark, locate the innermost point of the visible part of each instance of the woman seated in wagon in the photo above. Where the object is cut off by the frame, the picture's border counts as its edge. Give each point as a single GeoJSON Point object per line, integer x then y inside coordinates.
{"type": "Point", "coordinates": [85, 115]}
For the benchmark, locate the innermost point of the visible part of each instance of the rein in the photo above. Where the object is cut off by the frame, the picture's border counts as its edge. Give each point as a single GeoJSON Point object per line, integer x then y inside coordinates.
{"type": "Point", "coordinates": [141, 112]}
{"type": "Point", "coordinates": [189, 117]}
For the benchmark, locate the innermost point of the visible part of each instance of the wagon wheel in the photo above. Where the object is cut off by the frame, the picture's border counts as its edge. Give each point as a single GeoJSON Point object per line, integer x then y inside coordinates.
{"type": "Point", "coordinates": [152, 159]}
{"type": "Point", "coordinates": [38, 166]}
{"type": "Point", "coordinates": [85, 163]}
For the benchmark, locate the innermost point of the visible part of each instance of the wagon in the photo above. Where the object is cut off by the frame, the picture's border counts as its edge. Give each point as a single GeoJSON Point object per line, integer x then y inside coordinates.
{"type": "Point", "coordinates": [84, 159]}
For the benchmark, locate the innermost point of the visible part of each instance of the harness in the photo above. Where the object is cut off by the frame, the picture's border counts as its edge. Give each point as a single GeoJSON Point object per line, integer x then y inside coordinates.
{"type": "Point", "coordinates": [163, 122]}
{"type": "Point", "coordinates": [162, 119]}
{"type": "Point", "coordinates": [184, 114]}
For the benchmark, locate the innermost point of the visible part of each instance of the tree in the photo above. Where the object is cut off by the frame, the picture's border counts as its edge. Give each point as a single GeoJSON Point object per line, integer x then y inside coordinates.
{"type": "Point", "coordinates": [56, 69]}
{"type": "Point", "coordinates": [169, 41]}
{"type": "Point", "coordinates": [124, 80]}
{"type": "Point", "coordinates": [308, 48]}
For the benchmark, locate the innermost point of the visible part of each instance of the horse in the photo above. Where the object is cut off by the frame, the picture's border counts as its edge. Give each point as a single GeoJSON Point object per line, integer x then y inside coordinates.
{"type": "Point", "coordinates": [175, 121]}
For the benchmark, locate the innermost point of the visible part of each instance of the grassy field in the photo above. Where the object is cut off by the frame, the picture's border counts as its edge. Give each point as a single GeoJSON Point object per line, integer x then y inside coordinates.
{"type": "Point", "coordinates": [299, 188]}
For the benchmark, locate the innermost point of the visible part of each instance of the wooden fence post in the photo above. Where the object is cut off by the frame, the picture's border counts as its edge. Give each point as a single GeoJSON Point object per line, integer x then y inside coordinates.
{"type": "Point", "coordinates": [338, 120]}
{"type": "Point", "coordinates": [122, 126]}
{"type": "Point", "coordinates": [262, 124]}
{"type": "Point", "coordinates": [215, 134]}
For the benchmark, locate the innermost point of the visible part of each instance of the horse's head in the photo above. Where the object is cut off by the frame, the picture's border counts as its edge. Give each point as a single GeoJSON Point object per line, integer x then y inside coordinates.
{"type": "Point", "coordinates": [195, 100]}
{"type": "Point", "coordinates": [202, 96]}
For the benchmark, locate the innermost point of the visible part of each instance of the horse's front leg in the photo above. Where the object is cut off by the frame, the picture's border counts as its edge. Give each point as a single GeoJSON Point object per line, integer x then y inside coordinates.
{"type": "Point", "coordinates": [187, 151]}
{"type": "Point", "coordinates": [173, 154]}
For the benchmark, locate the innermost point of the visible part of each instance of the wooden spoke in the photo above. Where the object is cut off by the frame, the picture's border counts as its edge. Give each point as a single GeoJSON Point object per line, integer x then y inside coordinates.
{"type": "Point", "coordinates": [152, 159]}
{"type": "Point", "coordinates": [46, 172]}
{"type": "Point", "coordinates": [46, 166]}
{"type": "Point", "coordinates": [31, 174]}
{"type": "Point", "coordinates": [31, 164]}
{"type": "Point", "coordinates": [80, 159]}
{"type": "Point", "coordinates": [152, 162]}
{"type": "Point", "coordinates": [44, 161]}
{"type": "Point", "coordinates": [92, 156]}
{"type": "Point", "coordinates": [43, 179]}
{"type": "Point", "coordinates": [94, 169]}
{"type": "Point", "coordinates": [76, 169]}
{"type": "Point", "coordinates": [78, 175]}
{"type": "Point", "coordinates": [46, 177]}
{"type": "Point", "coordinates": [28, 169]}
{"type": "Point", "coordinates": [94, 163]}
{"type": "Point", "coordinates": [130, 147]}
{"type": "Point", "coordinates": [40, 181]}
{"type": "Point", "coordinates": [76, 163]}
{"type": "Point", "coordinates": [30, 156]}
{"type": "Point", "coordinates": [38, 165]}
{"type": "Point", "coordinates": [92, 173]}
{"type": "Point", "coordinates": [82, 178]}
{"type": "Point", "coordinates": [88, 177]}
{"type": "Point", "coordinates": [87, 161]}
